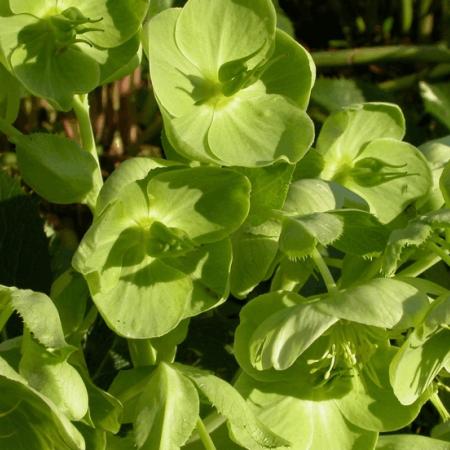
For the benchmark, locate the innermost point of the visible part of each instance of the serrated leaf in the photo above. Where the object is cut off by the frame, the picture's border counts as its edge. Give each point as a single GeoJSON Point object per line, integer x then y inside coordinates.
{"type": "Point", "coordinates": [230, 404]}
{"type": "Point", "coordinates": [414, 235]}
{"type": "Point", "coordinates": [32, 307]}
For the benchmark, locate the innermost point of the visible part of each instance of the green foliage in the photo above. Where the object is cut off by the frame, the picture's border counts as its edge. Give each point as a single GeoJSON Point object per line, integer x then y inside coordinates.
{"type": "Point", "coordinates": [340, 252]}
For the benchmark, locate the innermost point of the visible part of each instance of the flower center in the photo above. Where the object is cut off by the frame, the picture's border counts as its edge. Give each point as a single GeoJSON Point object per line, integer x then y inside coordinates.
{"type": "Point", "coordinates": [349, 349]}
{"type": "Point", "coordinates": [68, 25]}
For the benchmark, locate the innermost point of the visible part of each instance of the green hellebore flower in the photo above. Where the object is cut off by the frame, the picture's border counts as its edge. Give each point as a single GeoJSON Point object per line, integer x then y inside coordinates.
{"type": "Point", "coordinates": [326, 361]}
{"type": "Point", "coordinates": [158, 251]}
{"type": "Point", "coordinates": [232, 88]}
{"type": "Point", "coordinates": [74, 43]}
{"type": "Point", "coordinates": [361, 149]}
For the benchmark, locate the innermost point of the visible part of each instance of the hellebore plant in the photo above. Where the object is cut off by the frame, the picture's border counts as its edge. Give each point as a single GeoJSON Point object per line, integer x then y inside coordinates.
{"type": "Point", "coordinates": [338, 252]}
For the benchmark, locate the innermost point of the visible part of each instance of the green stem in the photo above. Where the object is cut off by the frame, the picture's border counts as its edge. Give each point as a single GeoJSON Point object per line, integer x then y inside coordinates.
{"type": "Point", "coordinates": [440, 407]}
{"type": "Point", "coordinates": [440, 252]}
{"type": "Point", "coordinates": [12, 133]}
{"type": "Point", "coordinates": [81, 109]}
{"type": "Point", "coordinates": [402, 83]}
{"type": "Point", "coordinates": [420, 266]}
{"type": "Point", "coordinates": [442, 242]}
{"type": "Point", "coordinates": [369, 55]}
{"type": "Point", "coordinates": [324, 271]}
{"type": "Point", "coordinates": [142, 352]}
{"type": "Point", "coordinates": [204, 436]}
{"type": "Point", "coordinates": [407, 15]}
{"type": "Point", "coordinates": [424, 285]}
{"type": "Point", "coordinates": [333, 262]}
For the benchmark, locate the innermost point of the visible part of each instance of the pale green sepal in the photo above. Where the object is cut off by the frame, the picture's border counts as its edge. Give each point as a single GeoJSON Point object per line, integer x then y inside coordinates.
{"type": "Point", "coordinates": [291, 72]}
{"type": "Point", "coordinates": [229, 31]}
{"type": "Point", "coordinates": [437, 153]}
{"type": "Point", "coordinates": [285, 132]}
{"type": "Point", "coordinates": [283, 336]}
{"type": "Point", "coordinates": [30, 420]}
{"type": "Point", "coordinates": [371, 403]}
{"type": "Point", "coordinates": [417, 363]}
{"type": "Point", "coordinates": [131, 170]}
{"type": "Point", "coordinates": [345, 132]}
{"type": "Point", "coordinates": [410, 442]}
{"type": "Point", "coordinates": [167, 411]}
{"type": "Point", "coordinates": [307, 196]}
{"type": "Point", "coordinates": [168, 66]}
{"type": "Point", "coordinates": [389, 175]}
{"type": "Point", "coordinates": [56, 379]}
{"type": "Point", "coordinates": [307, 424]}
{"type": "Point", "coordinates": [380, 302]}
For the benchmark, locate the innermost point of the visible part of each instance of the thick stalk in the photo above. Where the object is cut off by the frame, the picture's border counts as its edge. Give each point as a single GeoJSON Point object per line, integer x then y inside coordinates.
{"type": "Point", "coordinates": [440, 407]}
{"type": "Point", "coordinates": [420, 266]}
{"type": "Point", "coordinates": [324, 271]}
{"type": "Point", "coordinates": [440, 252]}
{"type": "Point", "coordinates": [389, 53]}
{"type": "Point", "coordinates": [142, 352]}
{"type": "Point", "coordinates": [81, 109]}
{"type": "Point", "coordinates": [204, 436]}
